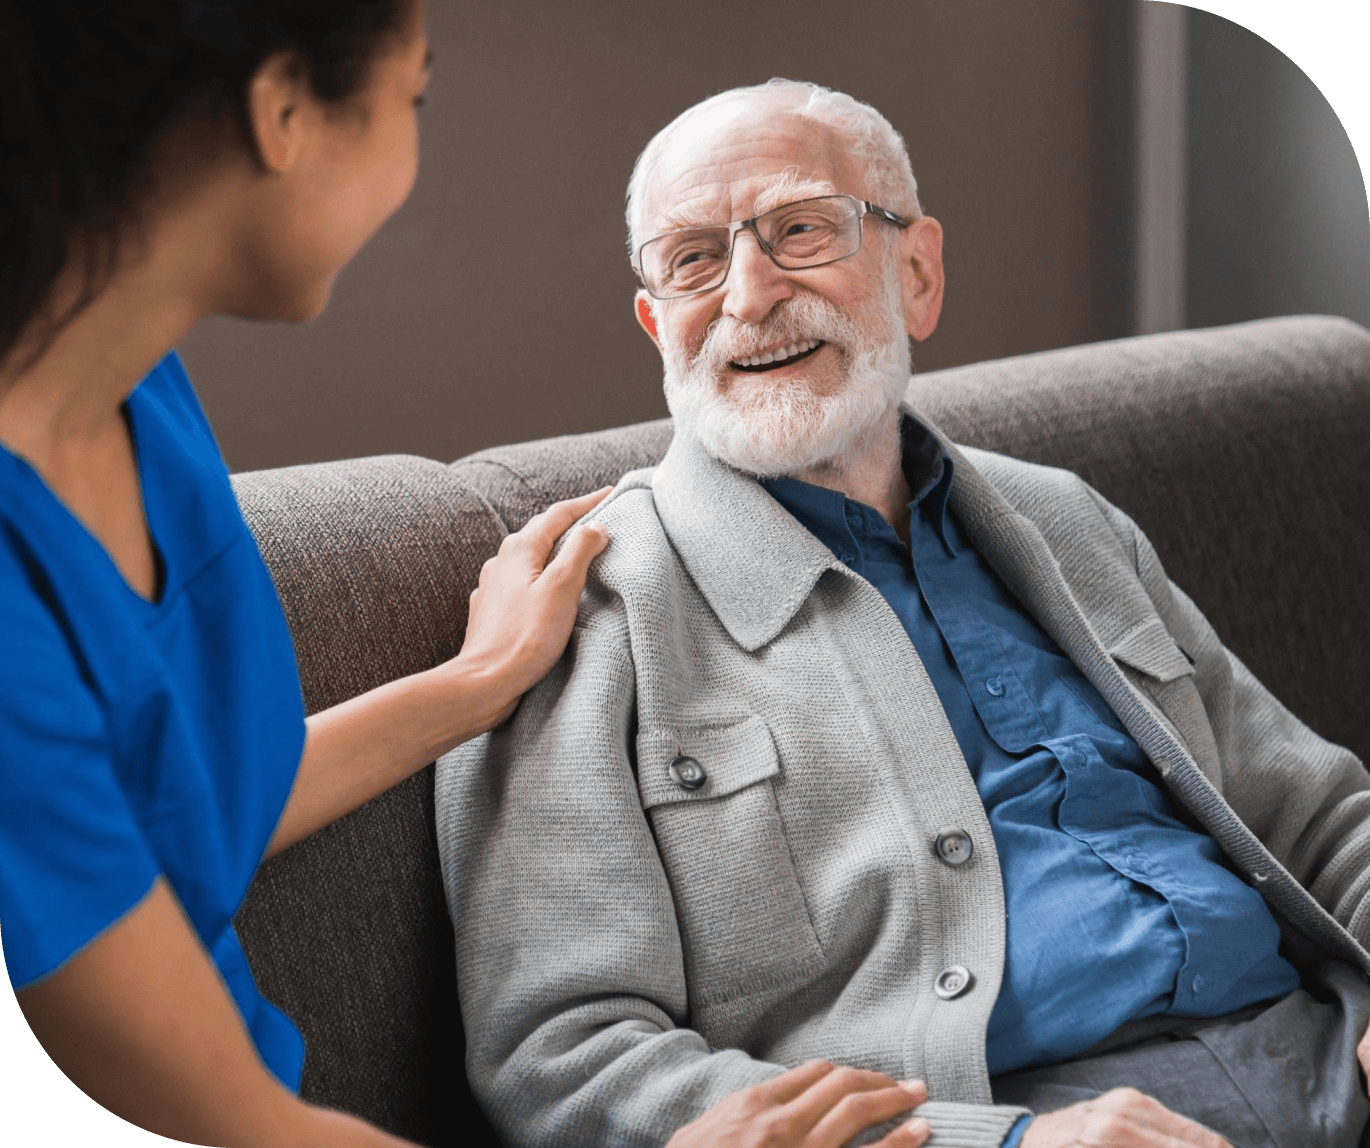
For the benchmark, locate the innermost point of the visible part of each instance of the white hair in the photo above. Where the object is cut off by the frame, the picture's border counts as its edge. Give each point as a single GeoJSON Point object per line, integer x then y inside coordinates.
{"type": "Point", "coordinates": [869, 136]}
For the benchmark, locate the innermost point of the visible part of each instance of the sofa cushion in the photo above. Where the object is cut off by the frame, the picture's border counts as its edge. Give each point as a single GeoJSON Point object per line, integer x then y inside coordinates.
{"type": "Point", "coordinates": [347, 931]}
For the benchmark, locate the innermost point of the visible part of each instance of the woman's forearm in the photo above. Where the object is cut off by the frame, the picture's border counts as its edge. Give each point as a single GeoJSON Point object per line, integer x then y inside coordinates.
{"type": "Point", "coordinates": [141, 1021]}
{"type": "Point", "coordinates": [361, 748]}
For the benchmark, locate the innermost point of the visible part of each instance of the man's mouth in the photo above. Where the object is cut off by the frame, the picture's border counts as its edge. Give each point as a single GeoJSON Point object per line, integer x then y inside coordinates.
{"type": "Point", "coordinates": [777, 357]}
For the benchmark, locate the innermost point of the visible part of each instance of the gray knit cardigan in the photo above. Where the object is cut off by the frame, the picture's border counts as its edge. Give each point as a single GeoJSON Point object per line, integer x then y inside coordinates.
{"type": "Point", "coordinates": [630, 951]}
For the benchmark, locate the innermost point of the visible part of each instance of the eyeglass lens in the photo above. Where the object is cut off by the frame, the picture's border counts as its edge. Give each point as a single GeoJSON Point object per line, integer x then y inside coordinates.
{"type": "Point", "coordinates": [802, 234]}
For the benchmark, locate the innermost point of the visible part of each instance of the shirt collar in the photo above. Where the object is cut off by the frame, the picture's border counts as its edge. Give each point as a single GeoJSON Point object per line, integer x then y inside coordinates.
{"type": "Point", "coordinates": [751, 559]}
{"type": "Point", "coordinates": [835, 519]}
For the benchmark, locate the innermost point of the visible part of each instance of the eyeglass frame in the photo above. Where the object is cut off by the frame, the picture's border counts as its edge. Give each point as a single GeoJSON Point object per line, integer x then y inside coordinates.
{"type": "Point", "coordinates": [868, 208]}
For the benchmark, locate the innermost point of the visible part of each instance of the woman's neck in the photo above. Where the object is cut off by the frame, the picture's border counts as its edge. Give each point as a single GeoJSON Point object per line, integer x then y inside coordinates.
{"type": "Point", "coordinates": [71, 394]}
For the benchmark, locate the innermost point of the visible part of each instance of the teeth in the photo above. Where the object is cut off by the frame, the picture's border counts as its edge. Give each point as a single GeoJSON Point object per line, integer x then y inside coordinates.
{"type": "Point", "coordinates": [778, 356]}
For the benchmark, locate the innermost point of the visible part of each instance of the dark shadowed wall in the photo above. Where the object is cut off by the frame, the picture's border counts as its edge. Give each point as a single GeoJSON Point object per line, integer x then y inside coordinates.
{"type": "Point", "coordinates": [496, 305]}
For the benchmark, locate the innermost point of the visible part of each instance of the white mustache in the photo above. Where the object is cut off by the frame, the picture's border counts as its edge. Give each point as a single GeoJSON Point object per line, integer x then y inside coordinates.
{"type": "Point", "coordinates": [797, 320]}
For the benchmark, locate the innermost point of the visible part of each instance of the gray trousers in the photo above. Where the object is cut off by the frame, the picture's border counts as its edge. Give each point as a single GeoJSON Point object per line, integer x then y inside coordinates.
{"type": "Point", "coordinates": [1282, 1075]}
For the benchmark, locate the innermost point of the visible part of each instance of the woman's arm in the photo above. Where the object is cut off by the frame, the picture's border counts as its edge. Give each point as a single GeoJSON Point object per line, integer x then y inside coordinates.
{"type": "Point", "coordinates": [142, 1023]}
{"type": "Point", "coordinates": [521, 616]}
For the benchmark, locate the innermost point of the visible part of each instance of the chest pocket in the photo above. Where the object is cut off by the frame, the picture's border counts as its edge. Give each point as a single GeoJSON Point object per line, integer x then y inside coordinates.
{"type": "Point", "coordinates": [1149, 649]}
{"type": "Point", "coordinates": [1158, 667]}
{"type": "Point", "coordinates": [709, 793]}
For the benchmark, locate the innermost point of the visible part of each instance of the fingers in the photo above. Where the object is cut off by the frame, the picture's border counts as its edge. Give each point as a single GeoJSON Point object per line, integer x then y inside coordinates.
{"type": "Point", "coordinates": [796, 1081]}
{"type": "Point", "coordinates": [865, 1108]}
{"type": "Point", "coordinates": [1169, 1127]}
{"type": "Point", "coordinates": [1121, 1117]}
{"type": "Point", "coordinates": [846, 1101]}
{"type": "Point", "coordinates": [911, 1134]}
{"type": "Point", "coordinates": [582, 546]}
{"type": "Point", "coordinates": [542, 530]}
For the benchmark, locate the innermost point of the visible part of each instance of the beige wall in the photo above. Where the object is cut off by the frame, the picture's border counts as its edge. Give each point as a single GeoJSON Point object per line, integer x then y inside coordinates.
{"type": "Point", "coordinates": [495, 307]}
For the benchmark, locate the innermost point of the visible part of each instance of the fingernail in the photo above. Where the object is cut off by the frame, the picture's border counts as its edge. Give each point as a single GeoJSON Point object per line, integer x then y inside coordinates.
{"type": "Point", "coordinates": [917, 1124]}
{"type": "Point", "coordinates": [912, 1085]}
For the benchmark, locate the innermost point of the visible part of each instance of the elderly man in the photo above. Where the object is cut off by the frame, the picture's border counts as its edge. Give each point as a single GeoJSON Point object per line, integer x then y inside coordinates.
{"type": "Point", "coordinates": [878, 750]}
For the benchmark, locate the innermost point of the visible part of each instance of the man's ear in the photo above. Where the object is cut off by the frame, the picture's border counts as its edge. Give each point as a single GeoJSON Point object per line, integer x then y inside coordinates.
{"type": "Point", "coordinates": [276, 96]}
{"type": "Point", "coordinates": [642, 308]}
{"type": "Point", "coordinates": [921, 277]}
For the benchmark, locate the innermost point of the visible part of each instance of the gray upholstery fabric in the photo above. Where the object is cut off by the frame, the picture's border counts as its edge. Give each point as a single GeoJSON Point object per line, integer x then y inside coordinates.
{"type": "Point", "coordinates": [521, 480]}
{"type": "Point", "coordinates": [347, 931]}
{"type": "Point", "coordinates": [1258, 434]}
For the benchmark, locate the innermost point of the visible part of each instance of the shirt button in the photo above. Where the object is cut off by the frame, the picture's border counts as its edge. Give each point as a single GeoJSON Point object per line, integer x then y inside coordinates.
{"type": "Point", "coordinates": [954, 846]}
{"type": "Point", "coordinates": [1198, 984]}
{"type": "Point", "coordinates": [952, 981]}
{"type": "Point", "coordinates": [995, 687]}
{"type": "Point", "coordinates": [687, 773]}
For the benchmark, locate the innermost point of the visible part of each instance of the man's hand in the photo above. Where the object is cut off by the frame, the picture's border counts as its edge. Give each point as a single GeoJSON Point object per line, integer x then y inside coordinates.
{"type": "Point", "coordinates": [813, 1106]}
{"type": "Point", "coordinates": [1363, 1053]}
{"type": "Point", "coordinates": [1120, 1118]}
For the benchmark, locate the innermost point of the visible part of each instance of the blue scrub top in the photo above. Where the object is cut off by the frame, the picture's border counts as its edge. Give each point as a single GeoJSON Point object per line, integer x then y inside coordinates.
{"type": "Point", "coordinates": [142, 738]}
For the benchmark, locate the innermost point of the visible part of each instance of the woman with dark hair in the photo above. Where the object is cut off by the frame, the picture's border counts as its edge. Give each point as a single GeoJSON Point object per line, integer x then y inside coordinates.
{"type": "Point", "coordinates": [164, 160]}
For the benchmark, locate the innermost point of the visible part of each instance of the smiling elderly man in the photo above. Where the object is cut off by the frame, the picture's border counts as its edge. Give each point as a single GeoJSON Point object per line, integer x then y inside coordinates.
{"type": "Point", "coordinates": [878, 750]}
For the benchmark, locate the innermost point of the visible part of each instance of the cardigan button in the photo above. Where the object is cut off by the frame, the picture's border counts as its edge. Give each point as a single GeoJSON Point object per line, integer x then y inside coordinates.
{"type": "Point", "coordinates": [954, 846]}
{"type": "Point", "coordinates": [952, 981]}
{"type": "Point", "coordinates": [687, 773]}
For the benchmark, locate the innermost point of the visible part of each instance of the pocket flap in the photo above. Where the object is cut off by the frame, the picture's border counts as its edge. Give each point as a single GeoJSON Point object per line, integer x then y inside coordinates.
{"type": "Point", "coordinates": [732, 757]}
{"type": "Point", "coordinates": [1148, 647]}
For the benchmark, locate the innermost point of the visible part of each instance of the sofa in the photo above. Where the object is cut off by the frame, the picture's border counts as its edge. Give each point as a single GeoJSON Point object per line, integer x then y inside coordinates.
{"type": "Point", "coordinates": [1243, 451]}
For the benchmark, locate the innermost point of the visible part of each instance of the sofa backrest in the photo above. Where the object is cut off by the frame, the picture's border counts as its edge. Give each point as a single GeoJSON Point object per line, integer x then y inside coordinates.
{"type": "Point", "coordinates": [347, 931]}
{"type": "Point", "coordinates": [1244, 452]}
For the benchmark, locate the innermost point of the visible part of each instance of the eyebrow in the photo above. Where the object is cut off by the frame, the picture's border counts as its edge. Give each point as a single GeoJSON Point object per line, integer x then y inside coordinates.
{"type": "Point", "coordinates": [784, 189]}
{"type": "Point", "coordinates": [787, 189]}
{"type": "Point", "coordinates": [674, 218]}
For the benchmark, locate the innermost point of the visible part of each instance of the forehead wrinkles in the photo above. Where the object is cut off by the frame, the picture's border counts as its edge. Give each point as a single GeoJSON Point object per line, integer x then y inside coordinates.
{"type": "Point", "coordinates": [713, 173]}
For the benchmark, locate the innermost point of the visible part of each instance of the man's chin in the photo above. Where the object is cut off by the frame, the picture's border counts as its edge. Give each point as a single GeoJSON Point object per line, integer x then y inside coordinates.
{"type": "Point", "coordinates": [745, 390]}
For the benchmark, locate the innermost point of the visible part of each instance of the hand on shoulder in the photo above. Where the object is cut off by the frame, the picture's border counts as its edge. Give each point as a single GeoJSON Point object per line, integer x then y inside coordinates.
{"type": "Point", "coordinates": [524, 607]}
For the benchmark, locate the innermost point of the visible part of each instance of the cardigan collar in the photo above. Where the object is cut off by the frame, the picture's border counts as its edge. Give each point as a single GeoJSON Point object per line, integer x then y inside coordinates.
{"type": "Point", "coordinates": [752, 560]}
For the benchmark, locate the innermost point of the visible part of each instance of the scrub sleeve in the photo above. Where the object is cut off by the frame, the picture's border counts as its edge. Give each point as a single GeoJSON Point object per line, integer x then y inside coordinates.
{"type": "Point", "coordinates": [142, 738]}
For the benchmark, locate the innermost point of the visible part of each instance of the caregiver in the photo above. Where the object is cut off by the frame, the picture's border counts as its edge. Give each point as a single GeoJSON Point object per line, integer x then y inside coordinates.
{"type": "Point", "coordinates": [164, 160]}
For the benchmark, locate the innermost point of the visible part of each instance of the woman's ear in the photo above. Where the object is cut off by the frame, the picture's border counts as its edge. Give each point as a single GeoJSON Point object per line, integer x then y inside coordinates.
{"type": "Point", "coordinates": [642, 308]}
{"type": "Point", "coordinates": [275, 97]}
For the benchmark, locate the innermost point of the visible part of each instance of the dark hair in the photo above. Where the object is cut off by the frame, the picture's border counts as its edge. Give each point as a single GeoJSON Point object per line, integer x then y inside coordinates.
{"type": "Point", "coordinates": [88, 88]}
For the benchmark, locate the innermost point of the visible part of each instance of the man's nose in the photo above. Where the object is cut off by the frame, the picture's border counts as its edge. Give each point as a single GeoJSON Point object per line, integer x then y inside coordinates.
{"type": "Point", "coordinates": [754, 284]}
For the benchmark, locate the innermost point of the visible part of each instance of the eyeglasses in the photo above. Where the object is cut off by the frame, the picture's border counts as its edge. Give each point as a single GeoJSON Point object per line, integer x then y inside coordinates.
{"type": "Point", "coordinates": [808, 233]}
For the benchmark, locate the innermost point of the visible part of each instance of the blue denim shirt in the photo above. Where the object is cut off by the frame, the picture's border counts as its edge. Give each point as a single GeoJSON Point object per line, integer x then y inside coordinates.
{"type": "Point", "coordinates": [1116, 908]}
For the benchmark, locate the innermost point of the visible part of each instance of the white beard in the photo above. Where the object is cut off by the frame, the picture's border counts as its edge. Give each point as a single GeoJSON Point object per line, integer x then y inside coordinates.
{"type": "Point", "coordinates": [772, 428]}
